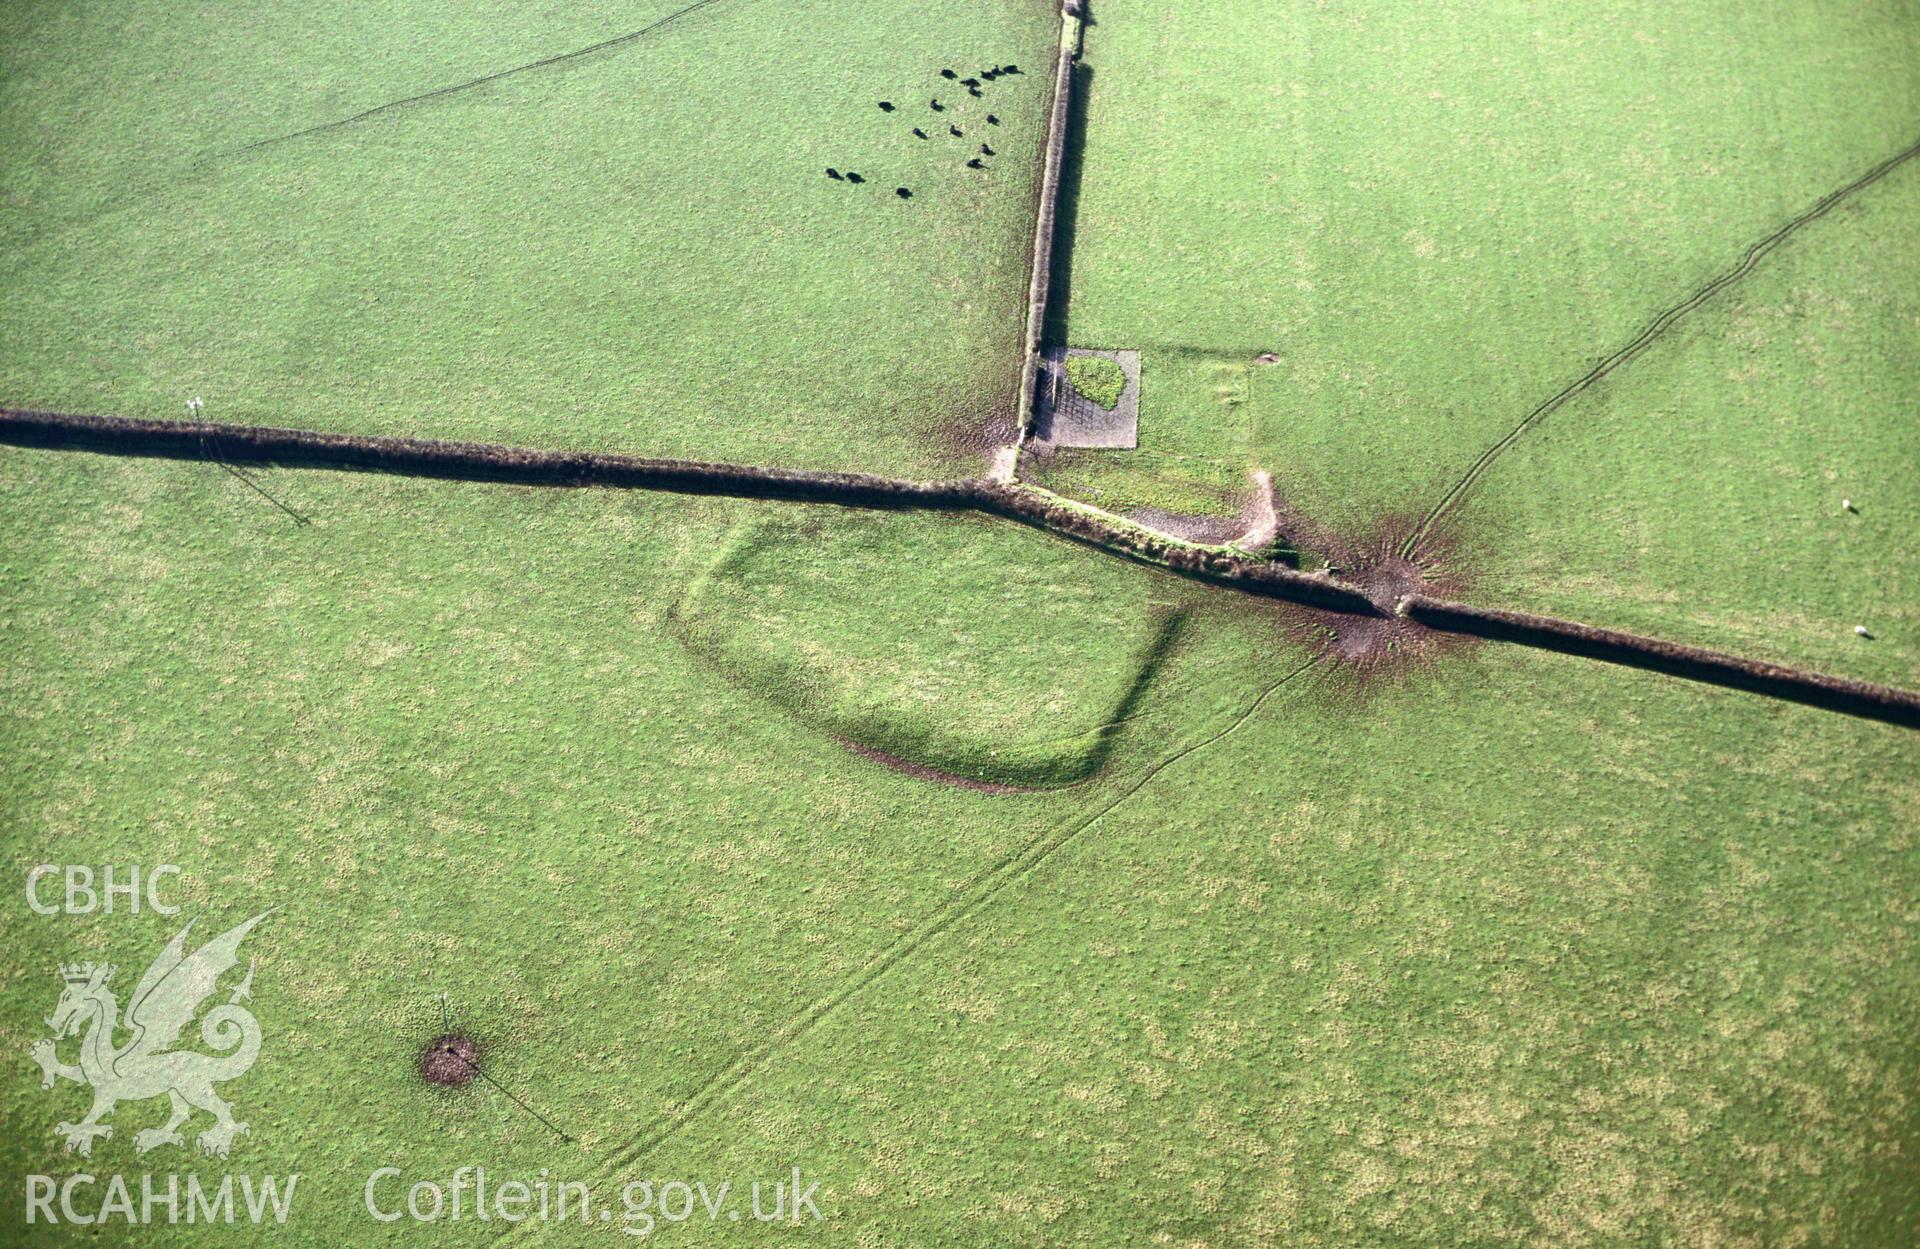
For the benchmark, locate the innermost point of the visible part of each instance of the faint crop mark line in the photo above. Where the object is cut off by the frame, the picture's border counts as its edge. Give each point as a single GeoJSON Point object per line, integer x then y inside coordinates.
{"type": "Point", "coordinates": [1107, 727]}
{"type": "Point", "coordinates": [603, 46]}
{"type": "Point", "coordinates": [1659, 326]}
{"type": "Point", "coordinates": [140, 188]}
{"type": "Point", "coordinates": [985, 885]}
{"type": "Point", "coordinates": [1168, 701]}
{"type": "Point", "coordinates": [983, 888]}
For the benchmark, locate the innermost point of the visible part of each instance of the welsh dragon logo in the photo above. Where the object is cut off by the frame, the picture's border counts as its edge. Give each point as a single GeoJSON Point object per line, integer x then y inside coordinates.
{"type": "Point", "coordinates": [160, 1007]}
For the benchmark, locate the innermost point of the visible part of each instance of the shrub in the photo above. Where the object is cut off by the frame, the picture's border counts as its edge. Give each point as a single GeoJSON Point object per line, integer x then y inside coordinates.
{"type": "Point", "coordinates": [1098, 379]}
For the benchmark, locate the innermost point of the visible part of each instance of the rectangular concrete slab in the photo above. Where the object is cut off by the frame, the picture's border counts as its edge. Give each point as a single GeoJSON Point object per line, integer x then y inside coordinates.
{"type": "Point", "coordinates": [1065, 418]}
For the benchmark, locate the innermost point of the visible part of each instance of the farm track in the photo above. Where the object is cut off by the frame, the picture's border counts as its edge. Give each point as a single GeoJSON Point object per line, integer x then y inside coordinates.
{"type": "Point", "coordinates": [462, 461]}
{"type": "Point", "coordinates": [981, 889]}
{"type": "Point", "coordinates": [1652, 334]}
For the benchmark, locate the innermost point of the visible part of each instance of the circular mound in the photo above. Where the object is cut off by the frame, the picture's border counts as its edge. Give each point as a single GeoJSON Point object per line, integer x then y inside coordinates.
{"type": "Point", "coordinates": [448, 1060]}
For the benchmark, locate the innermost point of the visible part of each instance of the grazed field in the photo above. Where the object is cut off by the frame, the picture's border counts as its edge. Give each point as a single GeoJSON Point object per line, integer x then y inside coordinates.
{"type": "Point", "coordinates": [1698, 494]}
{"type": "Point", "coordinates": [1537, 954]}
{"type": "Point", "coordinates": [1219, 944]}
{"type": "Point", "coordinates": [478, 764]}
{"type": "Point", "coordinates": [637, 249]}
{"type": "Point", "coordinates": [1534, 948]}
{"type": "Point", "coordinates": [1032, 692]}
{"type": "Point", "coordinates": [1438, 215]}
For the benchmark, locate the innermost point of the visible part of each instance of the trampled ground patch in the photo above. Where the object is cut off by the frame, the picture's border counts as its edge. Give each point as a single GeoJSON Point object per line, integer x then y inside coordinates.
{"type": "Point", "coordinates": [1432, 252]}
{"type": "Point", "coordinates": [637, 249]}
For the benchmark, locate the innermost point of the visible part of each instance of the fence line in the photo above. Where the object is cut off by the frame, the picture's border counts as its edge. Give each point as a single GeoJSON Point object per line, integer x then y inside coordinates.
{"type": "Point", "coordinates": [1040, 287]}
{"type": "Point", "coordinates": [1027, 504]}
{"type": "Point", "coordinates": [1695, 663]}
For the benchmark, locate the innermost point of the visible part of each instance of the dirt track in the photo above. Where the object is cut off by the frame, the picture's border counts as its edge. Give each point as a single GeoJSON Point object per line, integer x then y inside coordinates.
{"type": "Point", "coordinates": [1651, 334]}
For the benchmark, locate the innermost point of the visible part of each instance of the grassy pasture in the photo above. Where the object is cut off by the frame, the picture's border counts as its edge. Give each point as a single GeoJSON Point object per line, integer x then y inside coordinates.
{"type": "Point", "coordinates": [637, 249]}
{"type": "Point", "coordinates": [984, 650]}
{"type": "Point", "coordinates": [1522, 948]}
{"type": "Point", "coordinates": [1437, 215]}
{"type": "Point", "coordinates": [479, 763]}
{"type": "Point", "coordinates": [1535, 953]}
{"type": "Point", "coordinates": [1510, 949]}
{"type": "Point", "coordinates": [1697, 494]}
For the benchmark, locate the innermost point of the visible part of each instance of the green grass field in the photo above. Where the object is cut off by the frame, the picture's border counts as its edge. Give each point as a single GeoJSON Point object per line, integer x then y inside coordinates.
{"type": "Point", "coordinates": [1031, 693]}
{"type": "Point", "coordinates": [1539, 948]}
{"type": "Point", "coordinates": [1430, 251]}
{"type": "Point", "coordinates": [636, 250]}
{"type": "Point", "coordinates": [1015, 893]}
{"type": "Point", "coordinates": [1697, 495]}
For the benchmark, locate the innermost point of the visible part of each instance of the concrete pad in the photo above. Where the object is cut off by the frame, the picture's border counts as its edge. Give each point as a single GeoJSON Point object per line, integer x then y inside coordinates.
{"type": "Point", "coordinates": [1063, 418]}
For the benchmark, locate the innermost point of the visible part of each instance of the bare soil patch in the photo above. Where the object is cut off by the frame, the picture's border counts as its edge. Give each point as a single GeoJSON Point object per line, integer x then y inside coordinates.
{"type": "Point", "coordinates": [450, 1060]}
{"type": "Point", "coordinates": [976, 435]}
{"type": "Point", "coordinates": [1252, 508]}
{"type": "Point", "coordinates": [1194, 527]}
{"type": "Point", "coordinates": [1382, 643]}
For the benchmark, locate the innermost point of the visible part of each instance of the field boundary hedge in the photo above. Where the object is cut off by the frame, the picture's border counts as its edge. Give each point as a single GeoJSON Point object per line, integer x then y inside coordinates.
{"type": "Point", "coordinates": [1053, 160]}
{"type": "Point", "coordinates": [477, 461]}
{"type": "Point", "coordinates": [1031, 505]}
{"type": "Point", "coordinates": [1695, 663]}
{"type": "Point", "coordinates": [466, 461]}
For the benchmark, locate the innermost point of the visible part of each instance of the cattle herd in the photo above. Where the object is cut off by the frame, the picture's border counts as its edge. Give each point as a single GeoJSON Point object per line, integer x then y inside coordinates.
{"type": "Point", "coordinates": [976, 158]}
